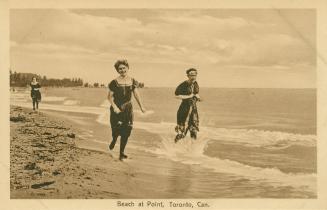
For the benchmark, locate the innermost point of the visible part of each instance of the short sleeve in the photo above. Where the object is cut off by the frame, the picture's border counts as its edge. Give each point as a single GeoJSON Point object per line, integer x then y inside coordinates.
{"type": "Point", "coordinates": [196, 88]}
{"type": "Point", "coordinates": [112, 86]}
{"type": "Point", "coordinates": [180, 89]}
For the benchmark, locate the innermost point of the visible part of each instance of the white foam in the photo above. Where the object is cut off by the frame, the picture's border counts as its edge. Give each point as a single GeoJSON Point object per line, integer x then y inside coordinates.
{"type": "Point", "coordinates": [190, 151]}
{"type": "Point", "coordinates": [25, 96]}
{"type": "Point", "coordinates": [52, 98]}
{"type": "Point", "coordinates": [71, 102]}
{"type": "Point", "coordinates": [105, 103]}
{"type": "Point", "coordinates": [64, 108]}
{"type": "Point", "coordinates": [249, 137]}
{"type": "Point", "coordinates": [103, 118]}
{"type": "Point", "coordinates": [252, 137]}
{"type": "Point", "coordinates": [19, 97]}
{"type": "Point", "coordinates": [259, 138]}
{"type": "Point", "coordinates": [141, 114]}
{"type": "Point", "coordinates": [87, 135]}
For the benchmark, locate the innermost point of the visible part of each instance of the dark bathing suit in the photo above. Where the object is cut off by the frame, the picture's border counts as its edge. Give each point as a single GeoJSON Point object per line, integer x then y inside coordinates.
{"type": "Point", "coordinates": [35, 94]}
{"type": "Point", "coordinates": [121, 123]}
{"type": "Point", "coordinates": [187, 110]}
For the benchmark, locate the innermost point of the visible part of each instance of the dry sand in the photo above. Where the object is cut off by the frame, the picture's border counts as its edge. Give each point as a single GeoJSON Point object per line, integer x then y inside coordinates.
{"type": "Point", "coordinates": [45, 162]}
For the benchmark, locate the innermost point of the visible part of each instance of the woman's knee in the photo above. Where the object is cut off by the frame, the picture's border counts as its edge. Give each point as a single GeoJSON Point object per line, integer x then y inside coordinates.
{"type": "Point", "coordinates": [125, 131]}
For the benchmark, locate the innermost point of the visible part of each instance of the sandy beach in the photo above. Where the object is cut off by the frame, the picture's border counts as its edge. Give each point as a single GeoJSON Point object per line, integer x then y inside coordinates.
{"type": "Point", "coordinates": [45, 162]}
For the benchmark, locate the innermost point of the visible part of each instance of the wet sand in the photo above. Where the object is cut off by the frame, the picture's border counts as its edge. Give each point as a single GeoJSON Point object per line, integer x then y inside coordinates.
{"type": "Point", "coordinates": [45, 162]}
{"type": "Point", "coordinates": [48, 160]}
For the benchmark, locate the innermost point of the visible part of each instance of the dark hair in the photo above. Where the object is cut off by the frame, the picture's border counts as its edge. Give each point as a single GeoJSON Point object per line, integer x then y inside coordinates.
{"type": "Point", "coordinates": [119, 62]}
{"type": "Point", "coordinates": [191, 69]}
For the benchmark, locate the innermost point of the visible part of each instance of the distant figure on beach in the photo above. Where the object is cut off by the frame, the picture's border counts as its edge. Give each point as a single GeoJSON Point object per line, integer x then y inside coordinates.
{"type": "Point", "coordinates": [121, 110]}
{"type": "Point", "coordinates": [188, 92]}
{"type": "Point", "coordinates": [35, 93]}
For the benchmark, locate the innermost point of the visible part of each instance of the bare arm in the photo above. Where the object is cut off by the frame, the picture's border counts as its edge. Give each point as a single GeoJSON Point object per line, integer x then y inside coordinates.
{"type": "Point", "coordinates": [184, 96]}
{"type": "Point", "coordinates": [179, 92]}
{"type": "Point", "coordinates": [189, 96]}
{"type": "Point", "coordinates": [112, 103]}
{"type": "Point", "coordinates": [138, 99]}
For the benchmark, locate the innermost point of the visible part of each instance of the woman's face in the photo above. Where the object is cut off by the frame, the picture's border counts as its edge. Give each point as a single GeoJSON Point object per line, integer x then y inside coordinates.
{"type": "Point", "coordinates": [192, 76]}
{"type": "Point", "coordinates": [34, 79]}
{"type": "Point", "coordinates": [122, 70]}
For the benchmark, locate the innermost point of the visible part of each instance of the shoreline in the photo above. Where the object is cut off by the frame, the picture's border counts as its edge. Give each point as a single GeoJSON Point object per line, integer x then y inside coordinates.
{"type": "Point", "coordinates": [46, 163]}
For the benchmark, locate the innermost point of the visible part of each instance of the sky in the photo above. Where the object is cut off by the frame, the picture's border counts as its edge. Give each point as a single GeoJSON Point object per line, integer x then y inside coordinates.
{"type": "Point", "coordinates": [232, 48]}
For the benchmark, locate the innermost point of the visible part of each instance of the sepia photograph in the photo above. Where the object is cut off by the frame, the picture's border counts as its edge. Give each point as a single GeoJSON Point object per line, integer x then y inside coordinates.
{"type": "Point", "coordinates": [163, 107]}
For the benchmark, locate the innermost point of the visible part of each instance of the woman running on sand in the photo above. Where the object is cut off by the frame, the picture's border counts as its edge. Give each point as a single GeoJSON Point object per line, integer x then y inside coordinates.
{"type": "Point", "coordinates": [121, 110]}
{"type": "Point", "coordinates": [35, 93]}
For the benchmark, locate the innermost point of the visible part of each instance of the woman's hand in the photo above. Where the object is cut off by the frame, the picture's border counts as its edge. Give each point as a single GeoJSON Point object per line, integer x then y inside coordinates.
{"type": "Point", "coordinates": [143, 109]}
{"type": "Point", "coordinates": [116, 109]}
{"type": "Point", "coordinates": [111, 101]}
{"type": "Point", "coordinates": [198, 97]}
{"type": "Point", "coordinates": [138, 99]}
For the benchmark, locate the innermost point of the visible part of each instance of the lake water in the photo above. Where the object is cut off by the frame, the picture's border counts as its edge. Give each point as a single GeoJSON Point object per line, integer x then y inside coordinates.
{"type": "Point", "coordinates": [252, 142]}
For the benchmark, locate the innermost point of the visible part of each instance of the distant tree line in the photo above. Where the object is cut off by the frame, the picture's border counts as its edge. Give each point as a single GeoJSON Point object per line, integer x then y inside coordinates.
{"type": "Point", "coordinates": [24, 79]}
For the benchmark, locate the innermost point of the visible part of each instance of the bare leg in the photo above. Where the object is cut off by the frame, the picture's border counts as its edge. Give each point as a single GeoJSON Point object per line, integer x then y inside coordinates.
{"type": "Point", "coordinates": [125, 133]}
{"type": "Point", "coordinates": [33, 103]}
{"type": "Point", "coordinates": [113, 142]}
{"type": "Point", "coordinates": [123, 142]}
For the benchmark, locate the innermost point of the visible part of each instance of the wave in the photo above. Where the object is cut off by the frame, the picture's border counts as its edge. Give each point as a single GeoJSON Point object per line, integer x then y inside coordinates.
{"type": "Point", "coordinates": [190, 151]}
{"type": "Point", "coordinates": [103, 118]}
{"type": "Point", "coordinates": [19, 97]}
{"type": "Point", "coordinates": [248, 137]}
{"type": "Point", "coordinates": [25, 96]}
{"type": "Point", "coordinates": [86, 134]}
{"type": "Point", "coordinates": [52, 98]}
{"type": "Point", "coordinates": [141, 114]}
{"type": "Point", "coordinates": [64, 108]}
{"type": "Point", "coordinates": [105, 103]}
{"type": "Point", "coordinates": [71, 102]}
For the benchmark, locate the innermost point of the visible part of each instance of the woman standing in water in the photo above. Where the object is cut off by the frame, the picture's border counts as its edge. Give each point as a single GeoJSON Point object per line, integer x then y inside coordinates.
{"type": "Point", "coordinates": [35, 93]}
{"type": "Point", "coordinates": [188, 92]}
{"type": "Point", "coordinates": [121, 110]}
